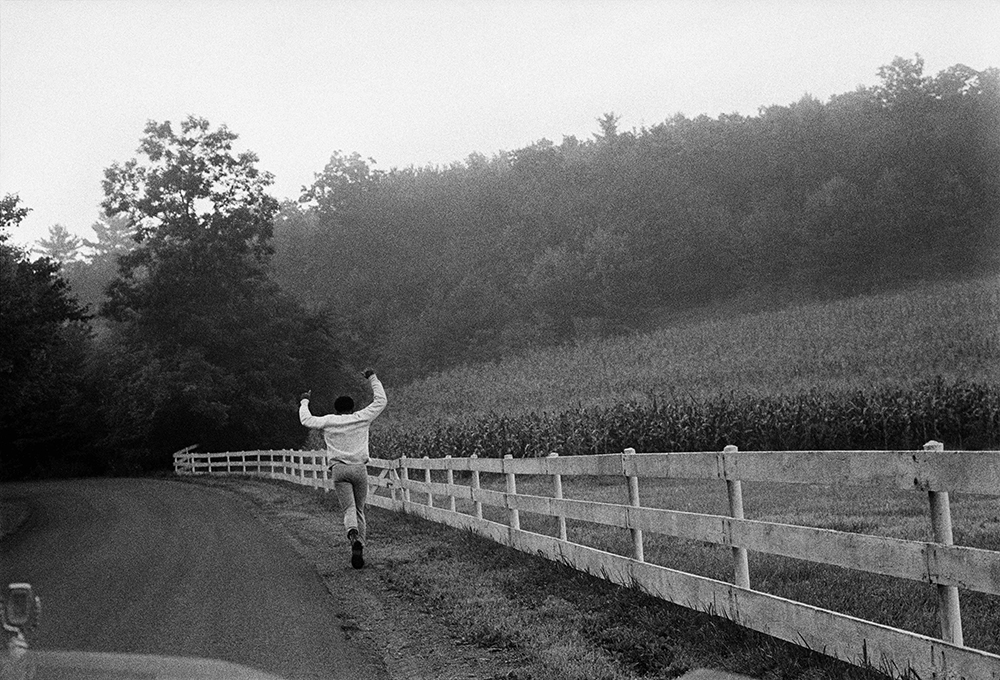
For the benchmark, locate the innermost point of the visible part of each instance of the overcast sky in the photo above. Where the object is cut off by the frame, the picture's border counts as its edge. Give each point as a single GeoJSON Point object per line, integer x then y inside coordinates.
{"type": "Point", "coordinates": [420, 82]}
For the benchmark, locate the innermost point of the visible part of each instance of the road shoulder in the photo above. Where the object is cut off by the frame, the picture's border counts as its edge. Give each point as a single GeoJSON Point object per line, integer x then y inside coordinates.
{"type": "Point", "coordinates": [398, 626]}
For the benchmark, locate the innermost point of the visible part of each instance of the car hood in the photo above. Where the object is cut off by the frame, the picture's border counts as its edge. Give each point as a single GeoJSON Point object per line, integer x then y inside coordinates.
{"type": "Point", "coordinates": [53, 665]}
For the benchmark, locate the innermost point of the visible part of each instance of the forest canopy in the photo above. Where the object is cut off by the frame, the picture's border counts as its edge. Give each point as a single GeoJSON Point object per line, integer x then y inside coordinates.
{"type": "Point", "coordinates": [879, 188]}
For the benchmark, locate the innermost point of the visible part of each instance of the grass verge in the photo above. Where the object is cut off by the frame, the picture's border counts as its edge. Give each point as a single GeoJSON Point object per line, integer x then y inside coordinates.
{"type": "Point", "coordinates": [571, 625]}
{"type": "Point", "coordinates": [892, 513]}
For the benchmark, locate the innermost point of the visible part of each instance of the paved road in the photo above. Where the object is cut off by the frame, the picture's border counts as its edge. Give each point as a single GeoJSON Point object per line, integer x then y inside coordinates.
{"type": "Point", "coordinates": [166, 568]}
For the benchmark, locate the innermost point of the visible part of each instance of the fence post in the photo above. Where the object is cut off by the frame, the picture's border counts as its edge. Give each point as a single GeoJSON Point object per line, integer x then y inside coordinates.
{"type": "Point", "coordinates": [404, 479]}
{"type": "Point", "coordinates": [477, 504]}
{"type": "Point", "coordinates": [633, 499]}
{"type": "Point", "coordinates": [734, 488]}
{"type": "Point", "coordinates": [427, 479]}
{"type": "Point", "coordinates": [948, 610]}
{"type": "Point", "coordinates": [514, 517]}
{"type": "Point", "coordinates": [558, 493]}
{"type": "Point", "coordinates": [451, 482]}
{"type": "Point", "coordinates": [326, 475]}
{"type": "Point", "coordinates": [393, 484]}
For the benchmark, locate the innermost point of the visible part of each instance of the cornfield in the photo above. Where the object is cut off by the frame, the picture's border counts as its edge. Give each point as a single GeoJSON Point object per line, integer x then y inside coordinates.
{"type": "Point", "coordinates": [949, 330]}
{"type": "Point", "coordinates": [961, 414]}
{"type": "Point", "coordinates": [889, 371]}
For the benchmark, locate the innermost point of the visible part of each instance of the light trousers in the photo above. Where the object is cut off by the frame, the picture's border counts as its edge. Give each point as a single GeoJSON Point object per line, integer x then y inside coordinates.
{"type": "Point", "coordinates": [351, 485]}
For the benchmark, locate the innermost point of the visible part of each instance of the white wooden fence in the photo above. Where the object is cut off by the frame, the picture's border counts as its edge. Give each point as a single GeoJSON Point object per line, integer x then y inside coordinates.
{"type": "Point", "coordinates": [901, 653]}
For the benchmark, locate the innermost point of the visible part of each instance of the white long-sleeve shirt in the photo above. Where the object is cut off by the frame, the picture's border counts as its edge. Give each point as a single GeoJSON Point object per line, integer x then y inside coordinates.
{"type": "Point", "coordinates": [346, 435]}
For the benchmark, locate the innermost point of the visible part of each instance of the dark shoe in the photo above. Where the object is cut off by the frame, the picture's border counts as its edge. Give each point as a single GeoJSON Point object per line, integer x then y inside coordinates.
{"type": "Point", "coordinates": [352, 535]}
{"type": "Point", "coordinates": [357, 559]}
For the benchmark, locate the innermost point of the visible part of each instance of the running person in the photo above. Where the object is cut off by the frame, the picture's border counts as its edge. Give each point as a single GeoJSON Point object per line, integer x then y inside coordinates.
{"type": "Point", "coordinates": [346, 435]}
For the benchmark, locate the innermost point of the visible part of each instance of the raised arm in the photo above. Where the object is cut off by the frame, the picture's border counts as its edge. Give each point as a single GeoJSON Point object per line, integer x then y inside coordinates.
{"type": "Point", "coordinates": [379, 401]}
{"type": "Point", "coordinates": [307, 418]}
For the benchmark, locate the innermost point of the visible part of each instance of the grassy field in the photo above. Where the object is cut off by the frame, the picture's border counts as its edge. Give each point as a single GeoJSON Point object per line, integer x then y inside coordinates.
{"type": "Point", "coordinates": [928, 360]}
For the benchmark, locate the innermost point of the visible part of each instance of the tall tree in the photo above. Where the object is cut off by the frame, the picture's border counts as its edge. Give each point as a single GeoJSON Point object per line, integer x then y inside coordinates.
{"type": "Point", "coordinates": [114, 237]}
{"type": "Point", "coordinates": [61, 245]}
{"type": "Point", "coordinates": [91, 276]}
{"type": "Point", "coordinates": [224, 349]}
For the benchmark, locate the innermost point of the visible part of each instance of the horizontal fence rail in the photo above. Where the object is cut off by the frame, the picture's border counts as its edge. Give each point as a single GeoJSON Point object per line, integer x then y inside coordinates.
{"type": "Point", "coordinates": [901, 653]}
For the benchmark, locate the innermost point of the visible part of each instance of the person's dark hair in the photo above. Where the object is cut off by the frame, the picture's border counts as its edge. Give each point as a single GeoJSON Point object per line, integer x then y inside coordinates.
{"type": "Point", "coordinates": [343, 405]}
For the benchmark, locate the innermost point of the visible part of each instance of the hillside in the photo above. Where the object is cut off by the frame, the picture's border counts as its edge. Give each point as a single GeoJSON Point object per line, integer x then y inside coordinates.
{"type": "Point", "coordinates": [950, 330]}
{"type": "Point", "coordinates": [421, 270]}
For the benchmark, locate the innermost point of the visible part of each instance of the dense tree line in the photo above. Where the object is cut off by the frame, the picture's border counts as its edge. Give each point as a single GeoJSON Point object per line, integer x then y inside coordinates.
{"type": "Point", "coordinates": [875, 189]}
{"type": "Point", "coordinates": [43, 345]}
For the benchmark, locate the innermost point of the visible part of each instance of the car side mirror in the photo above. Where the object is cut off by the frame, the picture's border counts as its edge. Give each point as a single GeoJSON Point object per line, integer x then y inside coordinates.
{"type": "Point", "coordinates": [21, 607]}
